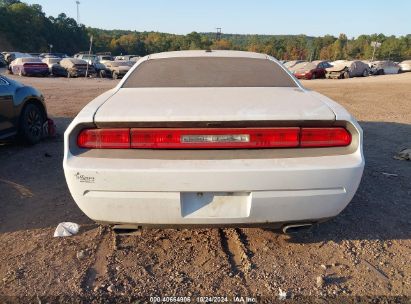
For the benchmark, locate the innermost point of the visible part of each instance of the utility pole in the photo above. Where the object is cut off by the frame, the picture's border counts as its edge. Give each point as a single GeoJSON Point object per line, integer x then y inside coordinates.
{"type": "Point", "coordinates": [78, 12]}
{"type": "Point", "coordinates": [218, 34]}
{"type": "Point", "coordinates": [89, 55]}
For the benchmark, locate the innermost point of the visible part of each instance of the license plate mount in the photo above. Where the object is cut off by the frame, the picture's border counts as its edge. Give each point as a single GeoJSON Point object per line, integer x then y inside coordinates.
{"type": "Point", "coordinates": [215, 204]}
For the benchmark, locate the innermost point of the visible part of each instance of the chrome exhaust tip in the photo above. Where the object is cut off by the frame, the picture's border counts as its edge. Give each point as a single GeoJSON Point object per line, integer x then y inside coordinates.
{"type": "Point", "coordinates": [296, 228]}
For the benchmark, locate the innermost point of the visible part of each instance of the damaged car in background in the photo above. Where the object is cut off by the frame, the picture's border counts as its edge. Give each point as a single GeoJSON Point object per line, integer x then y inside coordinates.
{"type": "Point", "coordinates": [383, 67]}
{"type": "Point", "coordinates": [23, 113]}
{"type": "Point", "coordinates": [405, 66]}
{"type": "Point", "coordinates": [117, 69]}
{"type": "Point", "coordinates": [99, 69]}
{"type": "Point", "coordinates": [54, 66]}
{"type": "Point", "coordinates": [347, 69]}
{"type": "Point", "coordinates": [29, 66]}
{"type": "Point", "coordinates": [310, 70]}
{"type": "Point", "coordinates": [76, 67]}
{"type": "Point", "coordinates": [224, 138]}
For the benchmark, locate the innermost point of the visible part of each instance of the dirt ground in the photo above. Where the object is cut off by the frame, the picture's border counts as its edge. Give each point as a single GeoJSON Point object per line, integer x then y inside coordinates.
{"type": "Point", "coordinates": [363, 254]}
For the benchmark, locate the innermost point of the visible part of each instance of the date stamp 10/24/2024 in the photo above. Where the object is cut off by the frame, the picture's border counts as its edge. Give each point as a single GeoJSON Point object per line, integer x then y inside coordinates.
{"type": "Point", "coordinates": [202, 299]}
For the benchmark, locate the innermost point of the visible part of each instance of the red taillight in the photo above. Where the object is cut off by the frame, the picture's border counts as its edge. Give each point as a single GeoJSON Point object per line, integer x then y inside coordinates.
{"type": "Point", "coordinates": [35, 65]}
{"type": "Point", "coordinates": [240, 138]}
{"type": "Point", "coordinates": [222, 138]}
{"type": "Point", "coordinates": [104, 139]}
{"type": "Point", "coordinates": [325, 137]}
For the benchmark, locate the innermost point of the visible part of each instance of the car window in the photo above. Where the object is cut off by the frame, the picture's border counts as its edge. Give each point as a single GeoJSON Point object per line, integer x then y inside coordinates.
{"type": "Point", "coordinates": [209, 72]}
{"type": "Point", "coordinates": [326, 65]}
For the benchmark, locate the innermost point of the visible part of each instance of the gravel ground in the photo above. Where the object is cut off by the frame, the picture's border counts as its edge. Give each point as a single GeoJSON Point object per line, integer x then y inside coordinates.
{"type": "Point", "coordinates": [362, 255]}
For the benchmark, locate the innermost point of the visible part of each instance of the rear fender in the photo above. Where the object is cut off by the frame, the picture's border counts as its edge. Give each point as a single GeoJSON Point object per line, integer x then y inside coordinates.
{"type": "Point", "coordinates": [22, 96]}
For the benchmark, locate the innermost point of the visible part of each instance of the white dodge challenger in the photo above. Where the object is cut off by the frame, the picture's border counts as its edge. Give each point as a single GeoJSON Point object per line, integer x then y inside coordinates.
{"type": "Point", "coordinates": [223, 138]}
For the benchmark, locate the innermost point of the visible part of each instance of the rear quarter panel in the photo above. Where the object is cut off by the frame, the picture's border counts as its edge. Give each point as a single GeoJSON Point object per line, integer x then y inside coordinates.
{"type": "Point", "coordinates": [85, 117]}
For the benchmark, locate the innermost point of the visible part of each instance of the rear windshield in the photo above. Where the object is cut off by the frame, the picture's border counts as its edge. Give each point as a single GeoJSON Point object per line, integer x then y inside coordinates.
{"type": "Point", "coordinates": [208, 72]}
{"type": "Point", "coordinates": [31, 59]}
{"type": "Point", "coordinates": [54, 60]}
{"type": "Point", "coordinates": [120, 63]}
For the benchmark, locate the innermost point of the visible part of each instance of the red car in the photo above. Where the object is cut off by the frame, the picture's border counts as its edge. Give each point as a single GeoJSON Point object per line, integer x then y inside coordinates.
{"type": "Point", "coordinates": [29, 66]}
{"type": "Point", "coordinates": [310, 70]}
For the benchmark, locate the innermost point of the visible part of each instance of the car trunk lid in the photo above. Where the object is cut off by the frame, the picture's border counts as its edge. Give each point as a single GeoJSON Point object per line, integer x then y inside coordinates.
{"type": "Point", "coordinates": [148, 105]}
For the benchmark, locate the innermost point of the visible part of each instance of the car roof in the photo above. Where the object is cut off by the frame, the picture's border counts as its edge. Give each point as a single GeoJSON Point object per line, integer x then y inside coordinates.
{"type": "Point", "coordinates": [74, 60]}
{"type": "Point", "coordinates": [319, 61]}
{"type": "Point", "coordinates": [208, 53]}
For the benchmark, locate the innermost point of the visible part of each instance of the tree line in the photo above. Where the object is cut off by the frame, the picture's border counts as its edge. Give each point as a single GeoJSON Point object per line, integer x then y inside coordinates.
{"type": "Point", "coordinates": [26, 28]}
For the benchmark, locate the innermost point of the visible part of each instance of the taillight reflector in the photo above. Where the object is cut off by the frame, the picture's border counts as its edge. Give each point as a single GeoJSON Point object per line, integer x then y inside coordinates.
{"type": "Point", "coordinates": [214, 138]}
{"type": "Point", "coordinates": [104, 139]}
{"type": "Point", "coordinates": [222, 138]}
{"type": "Point", "coordinates": [325, 137]}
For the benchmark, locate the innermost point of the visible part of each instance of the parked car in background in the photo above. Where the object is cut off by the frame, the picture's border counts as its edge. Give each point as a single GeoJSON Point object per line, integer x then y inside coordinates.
{"type": "Point", "coordinates": [76, 67]}
{"type": "Point", "coordinates": [348, 69]}
{"type": "Point", "coordinates": [54, 66]}
{"type": "Point", "coordinates": [53, 55]}
{"type": "Point", "coordinates": [3, 62]}
{"type": "Point", "coordinates": [135, 59]}
{"type": "Point", "coordinates": [93, 60]}
{"type": "Point", "coordinates": [126, 57]}
{"type": "Point", "coordinates": [405, 66]}
{"type": "Point", "coordinates": [337, 62]}
{"type": "Point", "coordinates": [11, 56]}
{"type": "Point", "coordinates": [103, 57]}
{"type": "Point", "coordinates": [383, 67]}
{"type": "Point", "coordinates": [177, 142]}
{"type": "Point", "coordinates": [118, 68]}
{"type": "Point", "coordinates": [103, 60]}
{"type": "Point", "coordinates": [310, 70]}
{"type": "Point", "coordinates": [23, 112]}
{"type": "Point", "coordinates": [29, 66]}
{"type": "Point", "coordinates": [86, 56]}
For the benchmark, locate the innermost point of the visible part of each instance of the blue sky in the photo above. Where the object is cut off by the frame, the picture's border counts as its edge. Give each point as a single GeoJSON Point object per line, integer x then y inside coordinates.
{"type": "Point", "coordinates": [239, 16]}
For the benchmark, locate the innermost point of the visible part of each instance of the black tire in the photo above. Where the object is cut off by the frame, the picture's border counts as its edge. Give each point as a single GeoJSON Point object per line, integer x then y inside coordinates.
{"type": "Point", "coordinates": [346, 75]}
{"type": "Point", "coordinates": [102, 74]}
{"type": "Point", "coordinates": [32, 119]}
{"type": "Point", "coordinates": [313, 77]}
{"type": "Point", "coordinates": [365, 73]}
